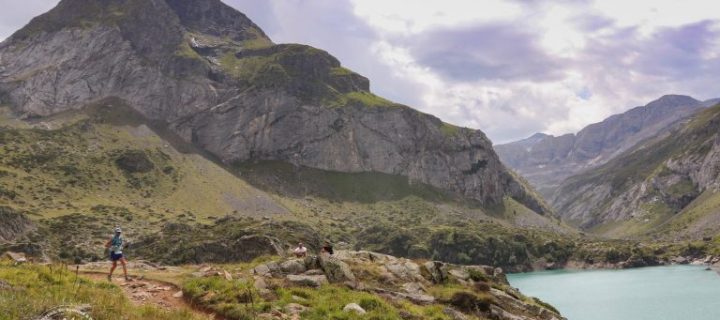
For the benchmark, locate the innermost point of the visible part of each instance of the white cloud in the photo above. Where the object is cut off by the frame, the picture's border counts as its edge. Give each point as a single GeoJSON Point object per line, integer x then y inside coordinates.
{"type": "Point", "coordinates": [599, 76]}
{"type": "Point", "coordinates": [16, 13]}
{"type": "Point", "coordinates": [406, 17]}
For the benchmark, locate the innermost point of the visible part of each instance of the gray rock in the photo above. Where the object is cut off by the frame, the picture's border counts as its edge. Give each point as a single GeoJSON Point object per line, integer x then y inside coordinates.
{"type": "Point", "coordinates": [314, 272]}
{"type": "Point", "coordinates": [454, 314]}
{"type": "Point", "coordinates": [336, 270]}
{"type": "Point", "coordinates": [307, 281]}
{"type": "Point", "coordinates": [459, 274]}
{"type": "Point", "coordinates": [312, 262]}
{"type": "Point", "coordinates": [680, 260]}
{"type": "Point", "coordinates": [354, 307]}
{"type": "Point", "coordinates": [404, 269]}
{"type": "Point", "coordinates": [413, 288]}
{"type": "Point", "coordinates": [262, 270]}
{"type": "Point", "coordinates": [421, 299]}
{"type": "Point", "coordinates": [436, 271]}
{"type": "Point", "coordinates": [259, 283]}
{"type": "Point", "coordinates": [295, 308]}
{"type": "Point", "coordinates": [294, 266]}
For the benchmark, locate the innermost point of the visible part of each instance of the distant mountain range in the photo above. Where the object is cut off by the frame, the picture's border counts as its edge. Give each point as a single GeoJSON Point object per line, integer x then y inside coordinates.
{"type": "Point", "coordinates": [650, 171]}
{"type": "Point", "coordinates": [666, 186]}
{"type": "Point", "coordinates": [545, 160]}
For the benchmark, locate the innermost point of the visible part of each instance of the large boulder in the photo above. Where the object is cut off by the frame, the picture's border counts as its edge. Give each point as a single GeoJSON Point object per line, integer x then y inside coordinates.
{"type": "Point", "coordinates": [364, 256]}
{"type": "Point", "coordinates": [404, 269]}
{"type": "Point", "coordinates": [354, 307]}
{"type": "Point", "coordinates": [307, 281]}
{"type": "Point", "coordinates": [435, 271]}
{"type": "Point", "coordinates": [267, 269]}
{"type": "Point", "coordinates": [312, 262]}
{"type": "Point", "coordinates": [293, 266]}
{"type": "Point", "coordinates": [336, 270]}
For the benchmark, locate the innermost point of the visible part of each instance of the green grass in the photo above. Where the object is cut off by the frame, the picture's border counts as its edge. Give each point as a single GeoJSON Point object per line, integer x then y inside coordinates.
{"type": "Point", "coordinates": [340, 71]}
{"type": "Point", "coordinates": [35, 289]}
{"type": "Point", "coordinates": [367, 99]}
{"type": "Point", "coordinates": [235, 299]}
{"type": "Point", "coordinates": [328, 302]}
{"type": "Point", "coordinates": [186, 51]}
{"type": "Point", "coordinates": [449, 130]}
{"type": "Point", "coordinates": [705, 205]}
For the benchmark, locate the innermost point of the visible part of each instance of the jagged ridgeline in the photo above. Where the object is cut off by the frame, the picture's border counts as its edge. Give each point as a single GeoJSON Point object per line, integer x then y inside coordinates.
{"type": "Point", "coordinates": [184, 122]}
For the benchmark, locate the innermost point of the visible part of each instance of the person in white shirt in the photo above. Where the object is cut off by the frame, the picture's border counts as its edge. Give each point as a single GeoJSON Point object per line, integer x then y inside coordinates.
{"type": "Point", "coordinates": [300, 251]}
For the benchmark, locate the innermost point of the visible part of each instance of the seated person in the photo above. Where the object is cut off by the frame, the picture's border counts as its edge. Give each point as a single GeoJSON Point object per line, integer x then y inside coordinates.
{"type": "Point", "coordinates": [300, 251]}
{"type": "Point", "coordinates": [327, 248]}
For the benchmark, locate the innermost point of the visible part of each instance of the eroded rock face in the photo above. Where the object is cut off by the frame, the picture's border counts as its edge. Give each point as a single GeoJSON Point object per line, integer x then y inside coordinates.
{"type": "Point", "coordinates": [13, 225]}
{"type": "Point", "coordinates": [336, 270]}
{"type": "Point", "coordinates": [134, 162]}
{"type": "Point", "coordinates": [180, 62]}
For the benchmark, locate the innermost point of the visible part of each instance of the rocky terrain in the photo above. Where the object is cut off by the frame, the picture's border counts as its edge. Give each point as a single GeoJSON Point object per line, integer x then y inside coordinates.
{"type": "Point", "coordinates": [349, 285]}
{"type": "Point", "coordinates": [666, 186]}
{"type": "Point", "coordinates": [546, 161]}
{"type": "Point", "coordinates": [212, 77]}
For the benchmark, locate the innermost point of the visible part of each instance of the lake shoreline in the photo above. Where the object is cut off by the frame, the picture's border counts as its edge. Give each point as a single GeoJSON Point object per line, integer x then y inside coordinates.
{"type": "Point", "coordinates": [575, 265]}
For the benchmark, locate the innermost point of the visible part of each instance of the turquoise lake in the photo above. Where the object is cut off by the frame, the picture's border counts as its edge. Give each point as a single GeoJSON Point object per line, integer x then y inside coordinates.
{"type": "Point", "coordinates": [654, 293]}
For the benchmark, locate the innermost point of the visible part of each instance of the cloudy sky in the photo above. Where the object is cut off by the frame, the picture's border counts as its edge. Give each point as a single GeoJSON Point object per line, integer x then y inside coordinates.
{"type": "Point", "coordinates": [510, 68]}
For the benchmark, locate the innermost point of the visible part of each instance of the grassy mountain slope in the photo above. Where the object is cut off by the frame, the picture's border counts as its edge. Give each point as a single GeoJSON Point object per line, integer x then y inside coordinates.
{"type": "Point", "coordinates": [80, 173]}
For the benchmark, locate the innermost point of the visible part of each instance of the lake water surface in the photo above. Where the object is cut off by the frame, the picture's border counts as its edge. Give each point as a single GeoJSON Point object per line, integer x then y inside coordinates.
{"type": "Point", "coordinates": [654, 293]}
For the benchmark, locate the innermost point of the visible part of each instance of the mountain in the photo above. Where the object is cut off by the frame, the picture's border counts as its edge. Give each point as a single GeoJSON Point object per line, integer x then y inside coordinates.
{"type": "Point", "coordinates": [212, 76]}
{"type": "Point", "coordinates": [184, 123]}
{"type": "Point", "coordinates": [547, 160]}
{"type": "Point", "coordinates": [666, 186]}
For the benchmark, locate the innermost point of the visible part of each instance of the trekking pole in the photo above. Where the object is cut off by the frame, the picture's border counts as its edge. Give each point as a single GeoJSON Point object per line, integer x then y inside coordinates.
{"type": "Point", "coordinates": [77, 273]}
{"type": "Point", "coordinates": [252, 303]}
{"type": "Point", "coordinates": [77, 281]}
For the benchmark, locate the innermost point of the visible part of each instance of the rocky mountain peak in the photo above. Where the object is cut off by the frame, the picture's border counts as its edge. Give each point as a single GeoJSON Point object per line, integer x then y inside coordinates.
{"type": "Point", "coordinates": [214, 78]}
{"type": "Point", "coordinates": [673, 100]}
{"type": "Point", "coordinates": [215, 18]}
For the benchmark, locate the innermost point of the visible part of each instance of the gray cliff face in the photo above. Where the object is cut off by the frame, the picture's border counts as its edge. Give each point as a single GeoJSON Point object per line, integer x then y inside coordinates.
{"type": "Point", "coordinates": [215, 78]}
{"type": "Point", "coordinates": [547, 160]}
{"type": "Point", "coordinates": [672, 178]}
{"type": "Point", "coordinates": [394, 140]}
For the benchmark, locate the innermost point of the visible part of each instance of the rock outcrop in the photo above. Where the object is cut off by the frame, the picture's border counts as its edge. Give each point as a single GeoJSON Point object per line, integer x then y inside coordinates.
{"type": "Point", "coordinates": [547, 160]}
{"type": "Point", "coordinates": [13, 225]}
{"type": "Point", "coordinates": [214, 78]}
{"type": "Point", "coordinates": [467, 291]}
